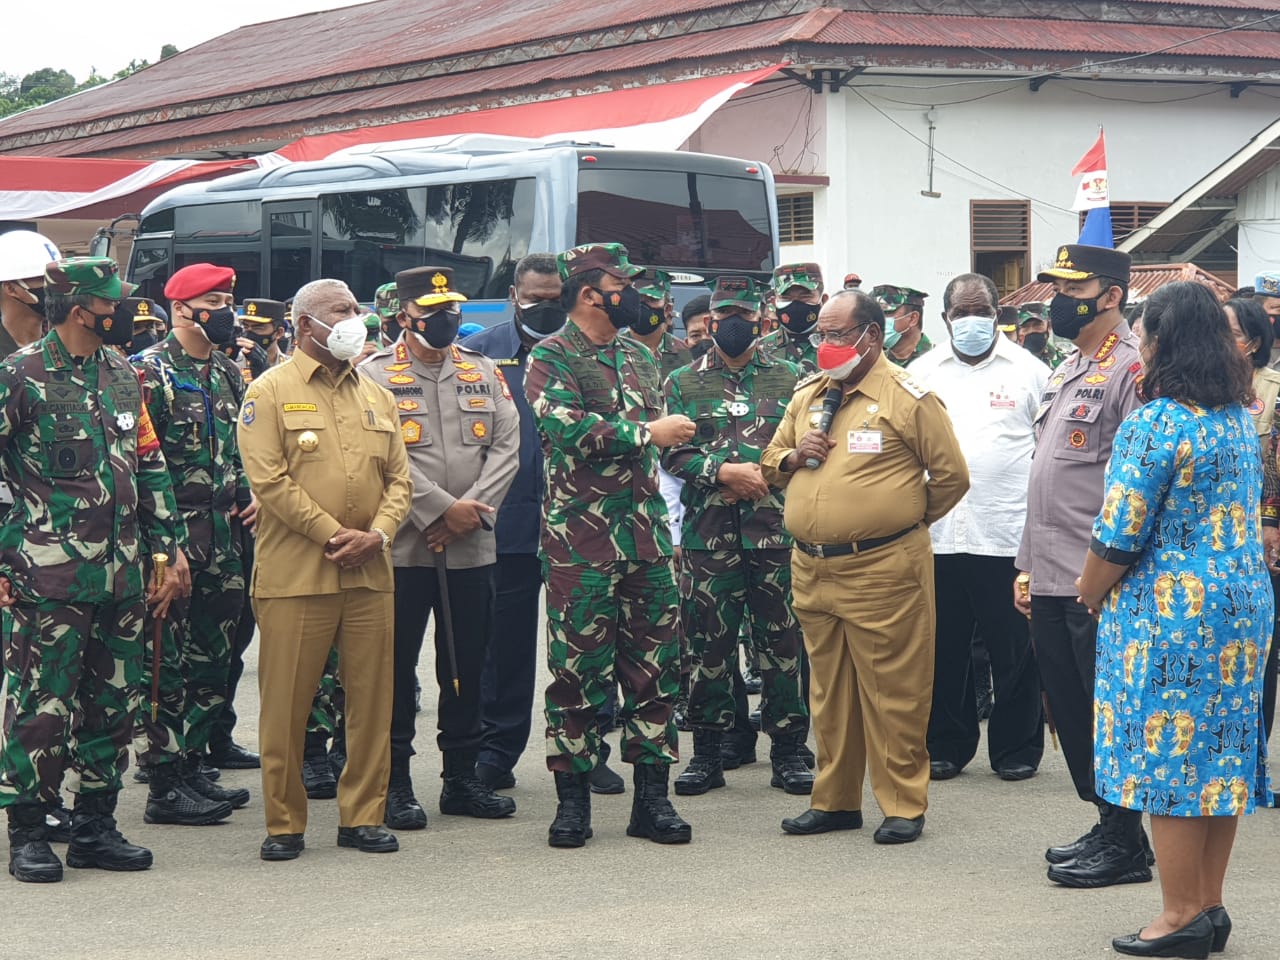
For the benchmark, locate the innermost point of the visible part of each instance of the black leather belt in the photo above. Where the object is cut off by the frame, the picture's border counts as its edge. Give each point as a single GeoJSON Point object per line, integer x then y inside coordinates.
{"type": "Point", "coordinates": [825, 551]}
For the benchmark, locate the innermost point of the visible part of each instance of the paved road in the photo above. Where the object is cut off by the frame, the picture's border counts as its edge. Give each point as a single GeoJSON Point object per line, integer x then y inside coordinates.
{"type": "Point", "coordinates": [972, 887]}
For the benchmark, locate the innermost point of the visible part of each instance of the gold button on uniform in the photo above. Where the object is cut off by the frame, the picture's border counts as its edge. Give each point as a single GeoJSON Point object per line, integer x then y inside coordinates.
{"type": "Point", "coordinates": [308, 441]}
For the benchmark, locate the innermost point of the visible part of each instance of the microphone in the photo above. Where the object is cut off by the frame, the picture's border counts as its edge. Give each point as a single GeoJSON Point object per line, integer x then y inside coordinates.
{"type": "Point", "coordinates": [830, 404]}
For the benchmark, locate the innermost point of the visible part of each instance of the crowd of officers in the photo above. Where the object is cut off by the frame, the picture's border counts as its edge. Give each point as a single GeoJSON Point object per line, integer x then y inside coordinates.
{"type": "Point", "coordinates": [775, 483]}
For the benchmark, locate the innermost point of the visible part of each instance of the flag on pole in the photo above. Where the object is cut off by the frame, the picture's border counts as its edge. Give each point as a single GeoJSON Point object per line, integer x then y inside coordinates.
{"type": "Point", "coordinates": [1091, 195]}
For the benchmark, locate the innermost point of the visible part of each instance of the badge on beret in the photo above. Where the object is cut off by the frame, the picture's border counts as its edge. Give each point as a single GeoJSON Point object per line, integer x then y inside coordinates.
{"type": "Point", "coordinates": [308, 441]}
{"type": "Point", "coordinates": [125, 421]}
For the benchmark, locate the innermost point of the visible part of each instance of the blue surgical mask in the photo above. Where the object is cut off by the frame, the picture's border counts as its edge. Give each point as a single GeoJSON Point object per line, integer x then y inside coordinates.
{"type": "Point", "coordinates": [891, 334]}
{"type": "Point", "coordinates": [973, 336]}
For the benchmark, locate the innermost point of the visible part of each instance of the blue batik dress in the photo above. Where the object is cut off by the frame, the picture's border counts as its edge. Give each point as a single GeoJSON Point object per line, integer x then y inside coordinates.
{"type": "Point", "coordinates": [1183, 637]}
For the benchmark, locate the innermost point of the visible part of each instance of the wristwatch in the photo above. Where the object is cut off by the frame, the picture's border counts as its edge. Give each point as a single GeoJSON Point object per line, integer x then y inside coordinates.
{"type": "Point", "coordinates": [386, 540]}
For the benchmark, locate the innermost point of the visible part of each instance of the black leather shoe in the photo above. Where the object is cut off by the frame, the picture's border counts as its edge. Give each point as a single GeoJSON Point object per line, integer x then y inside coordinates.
{"type": "Point", "coordinates": [1221, 927]}
{"type": "Point", "coordinates": [193, 773]}
{"type": "Point", "coordinates": [1106, 865]}
{"type": "Point", "coordinates": [822, 821]}
{"type": "Point", "coordinates": [208, 770]}
{"type": "Point", "coordinates": [404, 812]}
{"type": "Point", "coordinates": [318, 779]}
{"type": "Point", "coordinates": [943, 770]}
{"type": "Point", "coordinates": [58, 821]}
{"type": "Point", "coordinates": [899, 830]}
{"type": "Point", "coordinates": [368, 839]}
{"type": "Point", "coordinates": [1076, 848]}
{"type": "Point", "coordinates": [807, 756]}
{"type": "Point", "coordinates": [603, 779]}
{"type": "Point", "coordinates": [282, 846]}
{"type": "Point", "coordinates": [232, 756]}
{"type": "Point", "coordinates": [495, 778]}
{"type": "Point", "coordinates": [1016, 771]}
{"type": "Point", "coordinates": [1194, 941]}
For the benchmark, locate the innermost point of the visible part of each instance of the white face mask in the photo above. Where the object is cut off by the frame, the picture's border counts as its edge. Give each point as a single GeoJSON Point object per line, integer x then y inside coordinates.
{"type": "Point", "coordinates": [346, 338]}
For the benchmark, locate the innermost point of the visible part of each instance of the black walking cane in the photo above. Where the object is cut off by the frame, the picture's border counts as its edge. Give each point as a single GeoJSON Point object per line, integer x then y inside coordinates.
{"type": "Point", "coordinates": [442, 580]}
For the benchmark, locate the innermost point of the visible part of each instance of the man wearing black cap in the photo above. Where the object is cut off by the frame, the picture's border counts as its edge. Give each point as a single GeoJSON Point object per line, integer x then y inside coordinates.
{"type": "Point", "coordinates": [1087, 397]}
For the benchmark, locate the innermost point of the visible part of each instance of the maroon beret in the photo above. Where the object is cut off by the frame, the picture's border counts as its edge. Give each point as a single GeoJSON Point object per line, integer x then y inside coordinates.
{"type": "Point", "coordinates": [197, 279]}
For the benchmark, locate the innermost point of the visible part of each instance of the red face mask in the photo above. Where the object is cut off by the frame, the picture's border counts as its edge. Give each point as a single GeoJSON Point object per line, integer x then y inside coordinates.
{"type": "Point", "coordinates": [832, 357]}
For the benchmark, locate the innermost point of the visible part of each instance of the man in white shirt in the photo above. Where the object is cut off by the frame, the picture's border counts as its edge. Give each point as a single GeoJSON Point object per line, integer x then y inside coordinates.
{"type": "Point", "coordinates": [991, 388]}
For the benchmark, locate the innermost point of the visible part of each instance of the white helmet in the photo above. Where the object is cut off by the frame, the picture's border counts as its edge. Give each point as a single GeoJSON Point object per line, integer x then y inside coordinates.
{"type": "Point", "coordinates": [24, 254]}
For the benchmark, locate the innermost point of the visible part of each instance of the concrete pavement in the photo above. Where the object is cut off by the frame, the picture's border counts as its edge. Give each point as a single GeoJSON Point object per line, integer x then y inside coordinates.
{"type": "Point", "coordinates": [972, 887]}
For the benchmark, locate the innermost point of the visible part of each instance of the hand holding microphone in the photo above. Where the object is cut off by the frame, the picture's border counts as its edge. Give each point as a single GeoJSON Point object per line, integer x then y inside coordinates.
{"type": "Point", "coordinates": [813, 448]}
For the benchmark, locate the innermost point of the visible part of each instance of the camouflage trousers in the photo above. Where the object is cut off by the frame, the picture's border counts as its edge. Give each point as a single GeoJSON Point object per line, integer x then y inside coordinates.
{"type": "Point", "coordinates": [724, 589]}
{"type": "Point", "coordinates": [73, 672]}
{"type": "Point", "coordinates": [328, 705]}
{"type": "Point", "coordinates": [606, 623]}
{"type": "Point", "coordinates": [195, 662]}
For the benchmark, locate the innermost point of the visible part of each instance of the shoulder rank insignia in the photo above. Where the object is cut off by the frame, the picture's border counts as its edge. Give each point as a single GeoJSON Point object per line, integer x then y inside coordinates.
{"type": "Point", "coordinates": [804, 382]}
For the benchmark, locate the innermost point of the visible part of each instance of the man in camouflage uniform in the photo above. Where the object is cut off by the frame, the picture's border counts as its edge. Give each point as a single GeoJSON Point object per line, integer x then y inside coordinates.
{"type": "Point", "coordinates": [193, 393]}
{"type": "Point", "coordinates": [798, 297]}
{"type": "Point", "coordinates": [1035, 334]}
{"type": "Point", "coordinates": [653, 329]}
{"type": "Point", "coordinates": [737, 557]}
{"type": "Point", "coordinates": [94, 499]}
{"type": "Point", "coordinates": [904, 337]}
{"type": "Point", "coordinates": [386, 304]}
{"type": "Point", "coordinates": [605, 545]}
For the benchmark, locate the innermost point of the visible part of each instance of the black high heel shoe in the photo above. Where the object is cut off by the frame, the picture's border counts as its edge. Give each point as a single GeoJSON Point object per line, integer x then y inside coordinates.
{"type": "Point", "coordinates": [1193, 942]}
{"type": "Point", "coordinates": [1221, 927]}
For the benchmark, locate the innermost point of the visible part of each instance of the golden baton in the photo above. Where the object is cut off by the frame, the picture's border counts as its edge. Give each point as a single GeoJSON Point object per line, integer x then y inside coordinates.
{"type": "Point", "coordinates": [160, 562]}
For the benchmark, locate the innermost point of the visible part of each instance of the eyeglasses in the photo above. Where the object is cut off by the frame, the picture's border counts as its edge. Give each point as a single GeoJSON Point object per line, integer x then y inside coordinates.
{"type": "Point", "coordinates": [837, 338]}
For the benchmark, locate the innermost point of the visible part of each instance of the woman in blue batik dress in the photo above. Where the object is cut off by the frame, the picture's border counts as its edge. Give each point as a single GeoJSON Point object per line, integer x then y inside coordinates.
{"type": "Point", "coordinates": [1176, 569]}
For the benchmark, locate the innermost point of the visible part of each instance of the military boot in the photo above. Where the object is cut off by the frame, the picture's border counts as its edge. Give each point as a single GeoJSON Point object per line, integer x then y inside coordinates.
{"type": "Point", "coordinates": [1117, 857]}
{"type": "Point", "coordinates": [1083, 845]}
{"type": "Point", "coordinates": [603, 779]}
{"type": "Point", "coordinates": [705, 770]}
{"type": "Point", "coordinates": [170, 799]}
{"type": "Point", "coordinates": [403, 810]}
{"type": "Point", "coordinates": [463, 794]}
{"type": "Point", "coordinates": [789, 770]}
{"type": "Point", "coordinates": [31, 859]}
{"type": "Point", "coordinates": [195, 777]}
{"type": "Point", "coordinates": [59, 820]}
{"type": "Point", "coordinates": [95, 841]}
{"type": "Point", "coordinates": [572, 825]}
{"type": "Point", "coordinates": [652, 815]}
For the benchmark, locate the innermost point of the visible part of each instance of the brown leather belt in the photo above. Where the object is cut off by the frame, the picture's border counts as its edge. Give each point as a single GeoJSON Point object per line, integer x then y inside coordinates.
{"type": "Point", "coordinates": [825, 551]}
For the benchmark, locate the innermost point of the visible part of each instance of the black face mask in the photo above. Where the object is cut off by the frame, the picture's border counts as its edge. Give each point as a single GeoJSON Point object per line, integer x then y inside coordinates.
{"type": "Point", "coordinates": [798, 317]}
{"type": "Point", "coordinates": [734, 335]}
{"type": "Point", "coordinates": [38, 293]}
{"type": "Point", "coordinates": [1071, 315]}
{"type": "Point", "coordinates": [541, 319]}
{"type": "Point", "coordinates": [285, 344]}
{"type": "Point", "coordinates": [621, 306]}
{"type": "Point", "coordinates": [439, 329]}
{"type": "Point", "coordinates": [143, 340]}
{"type": "Point", "coordinates": [1036, 342]}
{"type": "Point", "coordinates": [700, 349]}
{"type": "Point", "coordinates": [112, 329]}
{"type": "Point", "coordinates": [219, 325]}
{"type": "Point", "coordinates": [651, 318]}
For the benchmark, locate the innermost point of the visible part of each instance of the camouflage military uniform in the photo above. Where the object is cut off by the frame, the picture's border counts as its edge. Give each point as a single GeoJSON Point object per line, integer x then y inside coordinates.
{"type": "Point", "coordinates": [923, 347]}
{"type": "Point", "coordinates": [606, 548]}
{"type": "Point", "coordinates": [194, 405]}
{"type": "Point", "coordinates": [94, 498]}
{"type": "Point", "coordinates": [893, 298]}
{"type": "Point", "coordinates": [737, 556]}
{"type": "Point", "coordinates": [798, 350]}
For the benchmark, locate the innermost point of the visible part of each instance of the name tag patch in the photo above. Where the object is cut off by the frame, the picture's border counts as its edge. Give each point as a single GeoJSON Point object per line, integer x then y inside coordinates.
{"type": "Point", "coordinates": [300, 408]}
{"type": "Point", "coordinates": [865, 441]}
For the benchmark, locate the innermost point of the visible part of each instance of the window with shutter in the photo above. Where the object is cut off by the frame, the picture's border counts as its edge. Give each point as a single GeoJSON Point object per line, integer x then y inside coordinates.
{"type": "Point", "coordinates": [1000, 241]}
{"type": "Point", "coordinates": [795, 218]}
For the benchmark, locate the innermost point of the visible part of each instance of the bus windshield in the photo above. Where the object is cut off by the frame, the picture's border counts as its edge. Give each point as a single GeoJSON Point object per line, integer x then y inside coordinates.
{"type": "Point", "coordinates": [678, 219]}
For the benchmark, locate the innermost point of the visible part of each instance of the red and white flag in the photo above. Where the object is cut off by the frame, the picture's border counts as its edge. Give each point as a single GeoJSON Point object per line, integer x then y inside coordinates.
{"type": "Point", "coordinates": [1092, 171]}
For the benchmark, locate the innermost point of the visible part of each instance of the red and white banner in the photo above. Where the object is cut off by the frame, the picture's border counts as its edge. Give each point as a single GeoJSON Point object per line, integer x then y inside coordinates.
{"type": "Point", "coordinates": [1091, 192]}
{"type": "Point", "coordinates": [656, 117]}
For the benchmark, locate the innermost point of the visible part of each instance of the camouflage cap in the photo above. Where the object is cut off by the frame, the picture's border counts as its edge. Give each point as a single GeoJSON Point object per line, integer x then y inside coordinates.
{"type": "Point", "coordinates": [659, 287]}
{"type": "Point", "coordinates": [262, 311]}
{"type": "Point", "coordinates": [735, 292]}
{"type": "Point", "coordinates": [1267, 284]}
{"type": "Point", "coordinates": [612, 258]}
{"type": "Point", "coordinates": [372, 326]}
{"type": "Point", "coordinates": [1030, 311]}
{"type": "Point", "coordinates": [386, 301]}
{"type": "Point", "coordinates": [807, 275]}
{"type": "Point", "coordinates": [891, 296]}
{"type": "Point", "coordinates": [86, 276]}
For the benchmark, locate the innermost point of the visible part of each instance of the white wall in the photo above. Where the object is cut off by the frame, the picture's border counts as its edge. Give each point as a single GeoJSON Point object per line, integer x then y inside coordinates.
{"type": "Point", "coordinates": [872, 218]}
{"type": "Point", "coordinates": [1258, 213]}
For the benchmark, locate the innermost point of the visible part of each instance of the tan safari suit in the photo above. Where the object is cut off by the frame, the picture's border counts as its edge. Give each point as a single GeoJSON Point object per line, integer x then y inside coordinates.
{"type": "Point", "coordinates": [868, 618]}
{"type": "Point", "coordinates": [322, 453]}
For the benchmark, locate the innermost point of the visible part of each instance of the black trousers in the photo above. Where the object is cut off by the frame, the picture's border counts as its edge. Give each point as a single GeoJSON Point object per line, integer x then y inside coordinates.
{"type": "Point", "coordinates": [511, 667]}
{"type": "Point", "coordinates": [471, 601]}
{"type": "Point", "coordinates": [974, 592]}
{"type": "Point", "coordinates": [225, 725]}
{"type": "Point", "coordinates": [1065, 640]}
{"type": "Point", "coordinates": [1269, 678]}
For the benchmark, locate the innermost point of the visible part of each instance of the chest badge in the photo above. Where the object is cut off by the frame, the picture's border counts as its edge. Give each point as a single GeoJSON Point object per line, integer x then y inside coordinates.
{"type": "Point", "coordinates": [411, 431]}
{"type": "Point", "coordinates": [1096, 378]}
{"type": "Point", "coordinates": [738, 409]}
{"type": "Point", "coordinates": [478, 429]}
{"type": "Point", "coordinates": [408, 406]}
{"type": "Point", "coordinates": [308, 441]}
{"type": "Point", "coordinates": [125, 421]}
